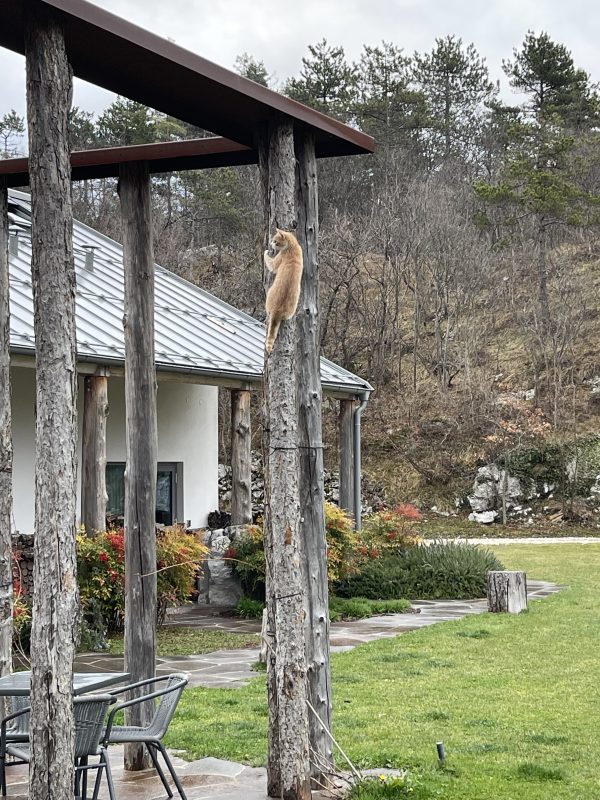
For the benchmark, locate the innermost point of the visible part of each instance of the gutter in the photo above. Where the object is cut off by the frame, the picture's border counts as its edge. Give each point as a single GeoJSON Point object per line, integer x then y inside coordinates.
{"type": "Point", "coordinates": [364, 399]}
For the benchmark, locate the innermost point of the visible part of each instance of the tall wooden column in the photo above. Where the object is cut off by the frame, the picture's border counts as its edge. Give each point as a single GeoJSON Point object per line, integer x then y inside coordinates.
{"type": "Point", "coordinates": [93, 454]}
{"type": "Point", "coordinates": [346, 434]}
{"type": "Point", "coordinates": [141, 447]}
{"type": "Point", "coordinates": [288, 763]}
{"type": "Point", "coordinates": [241, 457]}
{"type": "Point", "coordinates": [55, 596]}
{"type": "Point", "coordinates": [6, 599]}
{"type": "Point", "coordinates": [310, 439]}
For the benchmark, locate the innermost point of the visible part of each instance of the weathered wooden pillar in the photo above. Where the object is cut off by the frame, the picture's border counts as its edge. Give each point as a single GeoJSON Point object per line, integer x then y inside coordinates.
{"type": "Point", "coordinates": [93, 454]}
{"type": "Point", "coordinates": [141, 434]}
{"type": "Point", "coordinates": [241, 457]}
{"type": "Point", "coordinates": [310, 440]}
{"type": "Point", "coordinates": [6, 598]}
{"type": "Point", "coordinates": [55, 596]}
{"type": "Point", "coordinates": [288, 762]}
{"type": "Point", "coordinates": [507, 591]}
{"type": "Point", "coordinates": [346, 434]}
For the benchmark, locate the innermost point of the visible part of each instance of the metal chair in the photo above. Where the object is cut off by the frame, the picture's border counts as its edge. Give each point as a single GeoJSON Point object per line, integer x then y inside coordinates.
{"type": "Point", "coordinates": [152, 733]}
{"type": "Point", "coordinates": [16, 729]}
{"type": "Point", "coordinates": [89, 714]}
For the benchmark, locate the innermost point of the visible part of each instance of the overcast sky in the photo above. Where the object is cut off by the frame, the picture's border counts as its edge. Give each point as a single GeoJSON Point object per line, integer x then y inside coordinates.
{"type": "Point", "coordinates": [278, 32]}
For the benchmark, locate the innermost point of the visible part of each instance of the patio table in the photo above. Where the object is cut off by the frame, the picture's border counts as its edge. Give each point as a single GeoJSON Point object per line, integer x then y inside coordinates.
{"type": "Point", "coordinates": [17, 684]}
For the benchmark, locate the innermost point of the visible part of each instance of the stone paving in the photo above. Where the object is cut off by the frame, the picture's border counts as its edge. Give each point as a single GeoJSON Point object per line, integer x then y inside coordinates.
{"type": "Point", "coordinates": [234, 668]}
{"type": "Point", "coordinates": [210, 778]}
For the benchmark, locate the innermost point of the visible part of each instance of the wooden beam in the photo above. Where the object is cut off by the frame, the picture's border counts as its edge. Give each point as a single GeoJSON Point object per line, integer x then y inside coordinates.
{"type": "Point", "coordinates": [312, 489]}
{"type": "Point", "coordinates": [346, 435]}
{"type": "Point", "coordinates": [6, 452]}
{"type": "Point", "coordinates": [288, 766]}
{"type": "Point", "coordinates": [93, 454]}
{"type": "Point", "coordinates": [141, 445]}
{"type": "Point", "coordinates": [55, 595]}
{"type": "Point", "coordinates": [241, 458]}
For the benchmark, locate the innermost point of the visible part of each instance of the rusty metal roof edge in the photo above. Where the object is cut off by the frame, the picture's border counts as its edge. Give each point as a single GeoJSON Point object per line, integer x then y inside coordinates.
{"type": "Point", "coordinates": [273, 101]}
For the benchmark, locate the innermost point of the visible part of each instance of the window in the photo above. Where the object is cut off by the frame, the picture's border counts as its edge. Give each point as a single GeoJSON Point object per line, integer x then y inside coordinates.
{"type": "Point", "coordinates": [168, 499]}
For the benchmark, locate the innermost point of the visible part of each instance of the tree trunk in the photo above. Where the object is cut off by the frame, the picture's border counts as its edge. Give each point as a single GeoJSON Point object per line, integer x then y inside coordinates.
{"type": "Point", "coordinates": [93, 454]}
{"type": "Point", "coordinates": [346, 428]}
{"type": "Point", "coordinates": [6, 597]}
{"type": "Point", "coordinates": [241, 458]}
{"type": "Point", "coordinates": [507, 592]}
{"type": "Point", "coordinates": [312, 489]}
{"type": "Point", "coordinates": [288, 759]}
{"type": "Point", "coordinates": [55, 595]}
{"type": "Point", "coordinates": [543, 278]}
{"type": "Point", "coordinates": [140, 473]}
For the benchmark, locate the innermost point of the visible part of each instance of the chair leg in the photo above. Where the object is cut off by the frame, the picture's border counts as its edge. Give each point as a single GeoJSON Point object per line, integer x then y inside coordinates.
{"type": "Point", "coordinates": [105, 762]}
{"type": "Point", "coordinates": [159, 769]}
{"type": "Point", "coordinates": [171, 769]}
{"type": "Point", "coordinates": [3, 775]}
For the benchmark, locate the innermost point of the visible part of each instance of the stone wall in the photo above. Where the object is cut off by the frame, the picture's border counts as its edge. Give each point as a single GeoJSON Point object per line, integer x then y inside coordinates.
{"type": "Point", "coordinates": [23, 561]}
{"type": "Point", "coordinates": [217, 585]}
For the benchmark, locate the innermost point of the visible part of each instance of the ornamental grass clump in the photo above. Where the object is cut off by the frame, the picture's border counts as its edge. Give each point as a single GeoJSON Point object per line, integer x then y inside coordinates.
{"type": "Point", "coordinates": [435, 571]}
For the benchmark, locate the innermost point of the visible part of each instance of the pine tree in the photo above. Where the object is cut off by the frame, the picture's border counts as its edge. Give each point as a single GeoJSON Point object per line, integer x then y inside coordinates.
{"type": "Point", "coordinates": [12, 128]}
{"type": "Point", "coordinates": [247, 66]}
{"type": "Point", "coordinates": [327, 81]}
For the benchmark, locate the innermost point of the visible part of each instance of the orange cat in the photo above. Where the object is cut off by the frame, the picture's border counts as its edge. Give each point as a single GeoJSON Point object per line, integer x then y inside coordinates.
{"type": "Point", "coordinates": [283, 296]}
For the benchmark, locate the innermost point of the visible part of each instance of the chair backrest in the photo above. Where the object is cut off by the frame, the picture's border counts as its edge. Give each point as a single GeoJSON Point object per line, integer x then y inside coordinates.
{"type": "Point", "coordinates": [20, 724]}
{"type": "Point", "coordinates": [89, 713]}
{"type": "Point", "coordinates": [167, 703]}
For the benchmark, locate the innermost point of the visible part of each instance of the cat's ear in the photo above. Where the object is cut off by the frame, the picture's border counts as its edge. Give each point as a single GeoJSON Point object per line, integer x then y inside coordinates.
{"type": "Point", "coordinates": [278, 230]}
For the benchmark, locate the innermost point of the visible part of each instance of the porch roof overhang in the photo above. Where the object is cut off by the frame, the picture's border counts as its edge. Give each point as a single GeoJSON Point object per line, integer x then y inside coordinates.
{"type": "Point", "coordinates": [111, 52]}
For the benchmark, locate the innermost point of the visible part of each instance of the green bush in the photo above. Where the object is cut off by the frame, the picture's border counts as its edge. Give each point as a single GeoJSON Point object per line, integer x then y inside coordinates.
{"type": "Point", "coordinates": [341, 608]}
{"type": "Point", "coordinates": [345, 553]}
{"type": "Point", "coordinates": [440, 570]}
{"type": "Point", "coordinates": [248, 608]}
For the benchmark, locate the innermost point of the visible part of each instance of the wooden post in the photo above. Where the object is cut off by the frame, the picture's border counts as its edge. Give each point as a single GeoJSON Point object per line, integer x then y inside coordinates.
{"type": "Point", "coordinates": [241, 458]}
{"type": "Point", "coordinates": [6, 598]}
{"type": "Point", "coordinates": [140, 473]}
{"type": "Point", "coordinates": [346, 433]}
{"type": "Point", "coordinates": [93, 454]}
{"type": "Point", "coordinates": [288, 764]}
{"type": "Point", "coordinates": [55, 595]}
{"type": "Point", "coordinates": [507, 591]}
{"type": "Point", "coordinates": [312, 489]}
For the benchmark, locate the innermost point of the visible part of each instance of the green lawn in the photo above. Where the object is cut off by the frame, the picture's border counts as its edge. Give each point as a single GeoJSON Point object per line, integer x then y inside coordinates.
{"type": "Point", "coordinates": [515, 699]}
{"type": "Point", "coordinates": [191, 641]}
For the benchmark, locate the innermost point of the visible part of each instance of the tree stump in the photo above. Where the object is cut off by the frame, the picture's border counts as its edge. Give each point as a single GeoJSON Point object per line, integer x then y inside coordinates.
{"type": "Point", "coordinates": [507, 592]}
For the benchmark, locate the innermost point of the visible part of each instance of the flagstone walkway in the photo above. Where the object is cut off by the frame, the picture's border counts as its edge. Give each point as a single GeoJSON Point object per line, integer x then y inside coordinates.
{"type": "Point", "coordinates": [234, 668]}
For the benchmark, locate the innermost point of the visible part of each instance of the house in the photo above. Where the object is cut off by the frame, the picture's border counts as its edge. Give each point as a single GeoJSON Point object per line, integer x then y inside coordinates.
{"type": "Point", "coordinates": [201, 343]}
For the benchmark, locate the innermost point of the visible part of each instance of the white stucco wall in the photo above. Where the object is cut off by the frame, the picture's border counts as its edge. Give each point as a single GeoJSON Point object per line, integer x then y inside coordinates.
{"type": "Point", "coordinates": [187, 434]}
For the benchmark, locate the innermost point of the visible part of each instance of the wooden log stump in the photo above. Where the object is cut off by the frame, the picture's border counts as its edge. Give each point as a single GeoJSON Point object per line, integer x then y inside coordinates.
{"type": "Point", "coordinates": [507, 592]}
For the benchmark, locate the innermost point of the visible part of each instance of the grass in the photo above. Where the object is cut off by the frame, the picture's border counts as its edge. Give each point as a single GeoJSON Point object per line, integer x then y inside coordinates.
{"type": "Point", "coordinates": [514, 698]}
{"type": "Point", "coordinates": [191, 641]}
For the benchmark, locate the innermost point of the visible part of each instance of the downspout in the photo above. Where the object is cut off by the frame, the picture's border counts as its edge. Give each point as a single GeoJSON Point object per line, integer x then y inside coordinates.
{"type": "Point", "coordinates": [364, 399]}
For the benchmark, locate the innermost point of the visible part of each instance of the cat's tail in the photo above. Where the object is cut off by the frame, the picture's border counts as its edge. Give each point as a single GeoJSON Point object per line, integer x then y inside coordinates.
{"type": "Point", "coordinates": [272, 332]}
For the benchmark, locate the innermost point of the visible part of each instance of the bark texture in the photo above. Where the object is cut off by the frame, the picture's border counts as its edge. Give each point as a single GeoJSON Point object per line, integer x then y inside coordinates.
{"type": "Point", "coordinates": [310, 440]}
{"type": "Point", "coordinates": [288, 760]}
{"type": "Point", "coordinates": [55, 596]}
{"type": "Point", "coordinates": [241, 457]}
{"type": "Point", "coordinates": [507, 591]}
{"type": "Point", "coordinates": [346, 427]}
{"type": "Point", "coordinates": [6, 454]}
{"type": "Point", "coordinates": [141, 447]}
{"type": "Point", "coordinates": [93, 454]}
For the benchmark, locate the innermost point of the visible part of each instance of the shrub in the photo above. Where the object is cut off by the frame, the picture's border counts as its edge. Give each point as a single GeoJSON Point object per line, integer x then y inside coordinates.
{"type": "Point", "coordinates": [250, 609]}
{"type": "Point", "coordinates": [391, 529]}
{"type": "Point", "coordinates": [101, 574]}
{"type": "Point", "coordinates": [448, 570]}
{"type": "Point", "coordinates": [345, 552]}
{"type": "Point", "coordinates": [341, 608]}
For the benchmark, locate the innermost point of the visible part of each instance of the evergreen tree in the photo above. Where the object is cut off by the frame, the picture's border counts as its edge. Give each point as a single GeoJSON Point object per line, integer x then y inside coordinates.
{"type": "Point", "coordinates": [456, 84]}
{"type": "Point", "coordinates": [82, 130]}
{"type": "Point", "coordinates": [126, 122]}
{"type": "Point", "coordinates": [12, 128]}
{"type": "Point", "coordinates": [327, 81]}
{"type": "Point", "coordinates": [247, 66]}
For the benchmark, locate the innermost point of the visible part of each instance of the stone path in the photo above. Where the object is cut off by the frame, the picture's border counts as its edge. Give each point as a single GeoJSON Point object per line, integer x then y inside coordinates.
{"type": "Point", "coordinates": [233, 668]}
{"type": "Point", "coordinates": [210, 778]}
